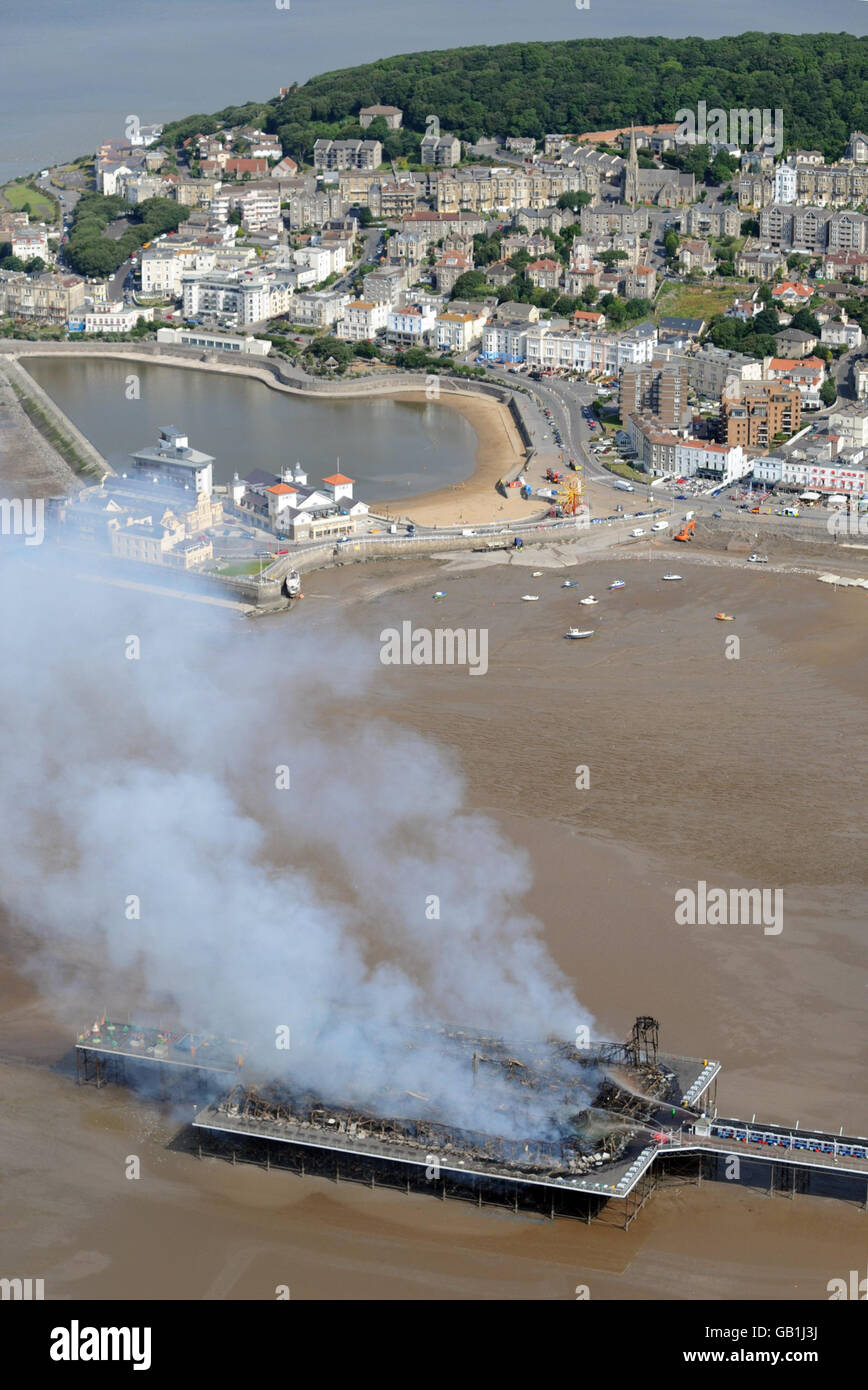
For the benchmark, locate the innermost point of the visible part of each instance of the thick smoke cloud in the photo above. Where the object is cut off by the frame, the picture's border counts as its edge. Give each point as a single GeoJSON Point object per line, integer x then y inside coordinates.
{"type": "Point", "coordinates": [260, 907]}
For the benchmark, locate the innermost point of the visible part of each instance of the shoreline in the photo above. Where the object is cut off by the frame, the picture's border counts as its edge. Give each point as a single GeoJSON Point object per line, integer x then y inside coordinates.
{"type": "Point", "coordinates": [499, 448]}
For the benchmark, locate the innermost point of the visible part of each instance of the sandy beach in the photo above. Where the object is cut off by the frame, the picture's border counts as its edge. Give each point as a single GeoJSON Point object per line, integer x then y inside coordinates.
{"type": "Point", "coordinates": [475, 501]}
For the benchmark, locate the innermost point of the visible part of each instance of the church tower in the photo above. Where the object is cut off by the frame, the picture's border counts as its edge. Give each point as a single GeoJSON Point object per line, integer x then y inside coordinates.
{"type": "Point", "coordinates": [631, 172]}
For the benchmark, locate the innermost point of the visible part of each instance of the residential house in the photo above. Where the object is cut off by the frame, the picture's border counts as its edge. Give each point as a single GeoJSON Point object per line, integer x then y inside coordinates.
{"type": "Point", "coordinates": [841, 333]}
{"type": "Point", "coordinates": [412, 325]}
{"type": "Point", "coordinates": [544, 274]}
{"type": "Point", "coordinates": [449, 269]}
{"type": "Point", "coordinates": [362, 320]}
{"type": "Point", "coordinates": [460, 330]}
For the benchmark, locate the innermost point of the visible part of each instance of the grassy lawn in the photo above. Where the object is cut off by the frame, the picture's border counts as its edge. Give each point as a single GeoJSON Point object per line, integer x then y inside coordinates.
{"type": "Point", "coordinates": [695, 301]}
{"type": "Point", "coordinates": [17, 194]}
{"type": "Point", "coordinates": [623, 470]}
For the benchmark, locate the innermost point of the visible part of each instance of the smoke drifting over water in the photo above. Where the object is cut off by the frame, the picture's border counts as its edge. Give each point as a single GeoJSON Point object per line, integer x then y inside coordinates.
{"type": "Point", "coordinates": [154, 778]}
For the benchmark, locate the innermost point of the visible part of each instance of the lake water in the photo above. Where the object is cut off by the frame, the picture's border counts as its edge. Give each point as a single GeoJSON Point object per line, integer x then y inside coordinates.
{"type": "Point", "coordinates": [392, 448]}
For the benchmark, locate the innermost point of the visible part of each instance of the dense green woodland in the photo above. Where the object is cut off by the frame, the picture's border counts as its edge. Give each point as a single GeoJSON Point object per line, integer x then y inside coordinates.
{"type": "Point", "coordinates": [817, 80]}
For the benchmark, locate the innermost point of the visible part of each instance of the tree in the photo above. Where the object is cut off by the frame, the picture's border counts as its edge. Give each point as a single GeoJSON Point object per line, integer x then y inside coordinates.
{"type": "Point", "coordinates": [806, 321]}
{"type": "Point", "coordinates": [766, 322]}
{"type": "Point", "coordinates": [670, 245]}
{"type": "Point", "coordinates": [35, 265]}
{"type": "Point", "coordinates": [365, 217]}
{"type": "Point", "coordinates": [829, 391]}
{"type": "Point", "coordinates": [574, 201]}
{"type": "Point", "coordinates": [470, 283]}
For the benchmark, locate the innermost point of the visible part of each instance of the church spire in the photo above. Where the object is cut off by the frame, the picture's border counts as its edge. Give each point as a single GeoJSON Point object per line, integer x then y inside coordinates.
{"type": "Point", "coordinates": [631, 176]}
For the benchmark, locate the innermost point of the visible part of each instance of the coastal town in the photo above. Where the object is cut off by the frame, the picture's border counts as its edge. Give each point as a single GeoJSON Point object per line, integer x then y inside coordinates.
{"type": "Point", "coordinates": [433, 536]}
{"type": "Point", "coordinates": [709, 331]}
{"type": "Point", "coordinates": [705, 330]}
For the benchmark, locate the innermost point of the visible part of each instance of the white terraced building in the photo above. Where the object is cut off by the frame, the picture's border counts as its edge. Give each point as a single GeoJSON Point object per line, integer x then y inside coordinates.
{"type": "Point", "coordinates": [823, 476]}
{"type": "Point", "coordinates": [505, 341]}
{"type": "Point", "coordinates": [362, 320]}
{"type": "Point", "coordinates": [413, 326]}
{"type": "Point", "coordinates": [564, 349]}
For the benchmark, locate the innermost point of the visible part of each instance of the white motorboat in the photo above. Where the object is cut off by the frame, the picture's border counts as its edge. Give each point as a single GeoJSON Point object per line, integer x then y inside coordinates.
{"type": "Point", "coordinates": [576, 633]}
{"type": "Point", "coordinates": [617, 584]}
{"type": "Point", "coordinates": [672, 576]}
{"type": "Point", "coordinates": [589, 600]}
{"type": "Point", "coordinates": [530, 598]}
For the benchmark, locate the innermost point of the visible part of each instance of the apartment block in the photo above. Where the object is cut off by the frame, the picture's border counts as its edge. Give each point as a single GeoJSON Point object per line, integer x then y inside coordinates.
{"type": "Point", "coordinates": [441, 151]}
{"type": "Point", "coordinates": [756, 414]}
{"type": "Point", "coordinates": [347, 154]}
{"type": "Point", "coordinates": [657, 388]}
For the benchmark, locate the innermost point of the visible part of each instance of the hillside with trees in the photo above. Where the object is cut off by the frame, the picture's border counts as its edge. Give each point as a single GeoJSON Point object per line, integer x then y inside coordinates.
{"type": "Point", "coordinates": [816, 80]}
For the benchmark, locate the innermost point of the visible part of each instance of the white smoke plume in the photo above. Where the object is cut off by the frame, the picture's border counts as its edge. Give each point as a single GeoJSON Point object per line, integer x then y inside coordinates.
{"type": "Point", "coordinates": [259, 907]}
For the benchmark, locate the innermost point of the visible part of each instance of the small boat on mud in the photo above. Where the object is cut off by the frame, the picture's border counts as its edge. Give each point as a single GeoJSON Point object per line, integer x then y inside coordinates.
{"type": "Point", "coordinates": [672, 576]}
{"type": "Point", "coordinates": [617, 584]}
{"type": "Point", "coordinates": [575, 633]}
{"type": "Point", "coordinates": [724, 617]}
{"type": "Point", "coordinates": [589, 600]}
{"type": "Point", "coordinates": [441, 593]}
{"type": "Point", "coordinates": [570, 584]}
{"type": "Point", "coordinates": [530, 598]}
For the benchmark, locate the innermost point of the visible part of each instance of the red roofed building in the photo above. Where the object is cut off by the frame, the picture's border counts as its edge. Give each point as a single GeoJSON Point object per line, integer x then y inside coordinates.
{"type": "Point", "coordinates": [449, 269]}
{"type": "Point", "coordinates": [234, 168]}
{"type": "Point", "coordinates": [339, 485]}
{"type": "Point", "coordinates": [545, 274]}
{"type": "Point", "coordinates": [280, 497]}
{"type": "Point", "coordinates": [589, 318]}
{"type": "Point", "coordinates": [791, 292]}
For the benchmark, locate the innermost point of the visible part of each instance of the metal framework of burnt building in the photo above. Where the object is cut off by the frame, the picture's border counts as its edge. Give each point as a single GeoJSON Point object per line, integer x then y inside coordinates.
{"type": "Point", "coordinates": [634, 1116]}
